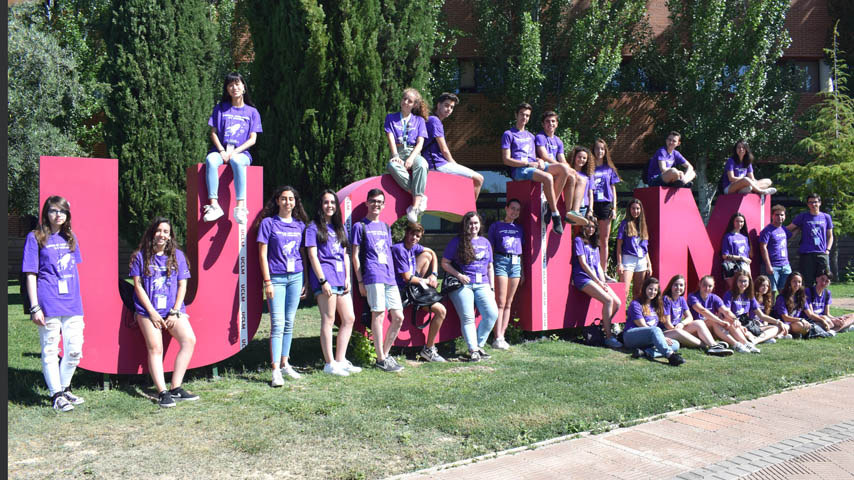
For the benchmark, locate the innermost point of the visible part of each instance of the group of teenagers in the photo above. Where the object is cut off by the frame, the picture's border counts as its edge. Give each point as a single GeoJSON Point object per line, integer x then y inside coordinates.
{"type": "Point", "coordinates": [301, 257]}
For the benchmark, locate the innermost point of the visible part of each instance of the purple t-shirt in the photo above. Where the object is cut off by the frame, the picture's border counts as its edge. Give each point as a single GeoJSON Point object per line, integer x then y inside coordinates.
{"type": "Point", "coordinates": [591, 256]}
{"type": "Point", "coordinates": [482, 254]}
{"type": "Point", "coordinates": [777, 241]}
{"type": "Point", "coordinates": [330, 255]}
{"type": "Point", "coordinates": [631, 245]}
{"type": "Point", "coordinates": [405, 131]}
{"type": "Point", "coordinates": [520, 144]}
{"type": "Point", "coordinates": [585, 200]}
{"type": "Point", "coordinates": [375, 239]}
{"type": "Point", "coordinates": [780, 309]}
{"type": "Point", "coordinates": [635, 312]}
{"type": "Point", "coordinates": [712, 304]}
{"type": "Point", "coordinates": [741, 305]}
{"type": "Point", "coordinates": [506, 238]}
{"type": "Point", "coordinates": [820, 304]}
{"type": "Point", "coordinates": [732, 165]}
{"type": "Point", "coordinates": [55, 266]}
{"type": "Point", "coordinates": [675, 309]}
{"type": "Point", "coordinates": [162, 289]}
{"type": "Point", "coordinates": [735, 244]}
{"type": "Point", "coordinates": [233, 125]}
{"type": "Point", "coordinates": [284, 240]}
{"type": "Point", "coordinates": [813, 231]}
{"type": "Point", "coordinates": [553, 144]}
{"type": "Point", "coordinates": [432, 154]}
{"type": "Point", "coordinates": [404, 260]}
{"type": "Point", "coordinates": [603, 178]}
{"type": "Point", "coordinates": [670, 159]}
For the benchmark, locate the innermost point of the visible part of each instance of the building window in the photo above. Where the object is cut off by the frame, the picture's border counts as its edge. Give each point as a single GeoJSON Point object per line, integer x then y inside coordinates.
{"type": "Point", "coordinates": [805, 75]}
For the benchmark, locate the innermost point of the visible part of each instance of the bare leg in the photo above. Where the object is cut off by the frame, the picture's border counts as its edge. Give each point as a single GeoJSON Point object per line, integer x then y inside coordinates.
{"type": "Point", "coordinates": [610, 303]}
{"type": "Point", "coordinates": [396, 317]}
{"type": "Point", "coordinates": [604, 236]}
{"type": "Point", "coordinates": [477, 179]}
{"type": "Point", "coordinates": [683, 337]}
{"type": "Point", "coordinates": [183, 332]}
{"type": "Point", "coordinates": [344, 306]}
{"type": "Point", "coordinates": [768, 331]}
{"type": "Point", "coordinates": [560, 172]}
{"type": "Point", "coordinates": [154, 344]}
{"type": "Point", "coordinates": [439, 313]}
{"type": "Point", "coordinates": [326, 305]}
{"type": "Point", "coordinates": [504, 300]}
{"type": "Point", "coordinates": [578, 194]}
{"type": "Point", "coordinates": [377, 320]}
{"type": "Point", "coordinates": [548, 187]}
{"type": "Point", "coordinates": [699, 329]}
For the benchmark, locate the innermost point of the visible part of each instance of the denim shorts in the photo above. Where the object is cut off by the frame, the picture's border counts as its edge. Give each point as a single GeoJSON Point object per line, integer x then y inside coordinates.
{"type": "Point", "coordinates": [335, 290]}
{"type": "Point", "coordinates": [634, 263]}
{"type": "Point", "coordinates": [504, 266]}
{"type": "Point", "coordinates": [524, 173]}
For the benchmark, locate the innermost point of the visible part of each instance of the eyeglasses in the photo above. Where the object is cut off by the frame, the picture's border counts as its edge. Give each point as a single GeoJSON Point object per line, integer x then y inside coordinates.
{"type": "Point", "coordinates": [376, 202]}
{"type": "Point", "coordinates": [54, 211]}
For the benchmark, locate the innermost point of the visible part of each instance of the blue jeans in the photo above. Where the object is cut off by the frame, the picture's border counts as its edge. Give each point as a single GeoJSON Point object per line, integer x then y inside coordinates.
{"type": "Point", "coordinates": [283, 309]}
{"type": "Point", "coordinates": [651, 340]}
{"type": "Point", "coordinates": [238, 163]}
{"type": "Point", "coordinates": [464, 300]}
{"type": "Point", "coordinates": [778, 276]}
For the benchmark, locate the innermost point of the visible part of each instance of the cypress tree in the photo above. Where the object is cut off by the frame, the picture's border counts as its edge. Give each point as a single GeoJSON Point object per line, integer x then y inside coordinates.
{"type": "Point", "coordinates": [161, 70]}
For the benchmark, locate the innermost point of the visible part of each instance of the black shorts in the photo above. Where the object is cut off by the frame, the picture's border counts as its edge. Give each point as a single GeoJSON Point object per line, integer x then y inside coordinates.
{"type": "Point", "coordinates": [602, 210]}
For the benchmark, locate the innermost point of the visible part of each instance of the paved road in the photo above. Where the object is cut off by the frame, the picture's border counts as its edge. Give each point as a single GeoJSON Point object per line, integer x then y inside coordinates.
{"type": "Point", "coordinates": [802, 434]}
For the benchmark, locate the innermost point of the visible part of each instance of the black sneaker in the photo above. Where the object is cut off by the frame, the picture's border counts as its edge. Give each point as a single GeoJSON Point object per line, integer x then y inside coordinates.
{"type": "Point", "coordinates": [72, 398]}
{"type": "Point", "coordinates": [638, 353]}
{"type": "Point", "coordinates": [388, 365]}
{"type": "Point", "coordinates": [483, 354]}
{"type": "Point", "coordinates": [165, 400]}
{"type": "Point", "coordinates": [675, 359]}
{"type": "Point", "coordinates": [687, 185]}
{"type": "Point", "coordinates": [474, 356]}
{"type": "Point", "coordinates": [430, 354]}
{"type": "Point", "coordinates": [60, 403]}
{"type": "Point", "coordinates": [720, 349]}
{"type": "Point", "coordinates": [557, 224]}
{"type": "Point", "coordinates": [179, 395]}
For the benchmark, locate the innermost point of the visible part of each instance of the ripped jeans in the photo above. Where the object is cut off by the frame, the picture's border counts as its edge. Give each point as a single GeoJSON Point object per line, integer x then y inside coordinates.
{"type": "Point", "coordinates": [58, 374]}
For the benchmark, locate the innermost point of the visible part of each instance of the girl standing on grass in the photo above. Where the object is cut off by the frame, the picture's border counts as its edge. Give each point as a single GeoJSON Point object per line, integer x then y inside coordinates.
{"type": "Point", "coordinates": [738, 173]}
{"type": "Point", "coordinates": [160, 272]}
{"type": "Point", "coordinates": [735, 249]}
{"type": "Point", "coordinates": [329, 278]}
{"type": "Point", "coordinates": [51, 255]}
{"type": "Point", "coordinates": [707, 306]}
{"type": "Point", "coordinates": [506, 239]}
{"type": "Point", "coordinates": [790, 304]}
{"type": "Point", "coordinates": [235, 125]}
{"type": "Point", "coordinates": [642, 332]}
{"type": "Point", "coordinates": [741, 300]}
{"type": "Point", "coordinates": [282, 257]}
{"type": "Point", "coordinates": [468, 257]}
{"type": "Point", "coordinates": [583, 167]}
{"type": "Point", "coordinates": [406, 132]}
{"type": "Point", "coordinates": [681, 326]}
{"type": "Point", "coordinates": [605, 178]}
{"type": "Point", "coordinates": [587, 276]}
{"type": "Point", "coordinates": [633, 263]}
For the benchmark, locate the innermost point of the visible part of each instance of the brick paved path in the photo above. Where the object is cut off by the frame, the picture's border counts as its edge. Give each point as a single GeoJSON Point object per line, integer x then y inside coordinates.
{"type": "Point", "coordinates": [807, 433]}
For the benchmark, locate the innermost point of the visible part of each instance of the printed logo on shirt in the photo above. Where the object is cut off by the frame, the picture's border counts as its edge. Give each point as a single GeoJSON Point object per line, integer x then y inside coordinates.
{"type": "Point", "coordinates": [65, 262]}
{"type": "Point", "coordinates": [288, 248]}
{"type": "Point", "coordinates": [509, 243]}
{"type": "Point", "coordinates": [159, 283]}
{"type": "Point", "coordinates": [480, 253]}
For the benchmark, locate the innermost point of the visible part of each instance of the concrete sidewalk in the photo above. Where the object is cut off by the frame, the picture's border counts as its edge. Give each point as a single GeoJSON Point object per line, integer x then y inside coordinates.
{"type": "Point", "coordinates": [806, 433]}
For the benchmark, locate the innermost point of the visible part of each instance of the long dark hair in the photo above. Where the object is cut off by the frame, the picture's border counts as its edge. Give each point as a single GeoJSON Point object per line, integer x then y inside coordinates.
{"type": "Point", "coordinates": [271, 208]}
{"type": "Point", "coordinates": [607, 157]}
{"type": "Point", "coordinates": [731, 224]}
{"type": "Point", "coordinates": [146, 246]}
{"type": "Point", "coordinates": [675, 278]}
{"type": "Point", "coordinates": [465, 250]}
{"type": "Point", "coordinates": [42, 231]}
{"type": "Point", "coordinates": [636, 227]}
{"type": "Point", "coordinates": [748, 292]}
{"type": "Point", "coordinates": [593, 239]}
{"type": "Point", "coordinates": [767, 300]}
{"type": "Point", "coordinates": [748, 155]}
{"type": "Point", "coordinates": [229, 79]}
{"type": "Point", "coordinates": [795, 299]}
{"type": "Point", "coordinates": [337, 223]}
{"type": "Point", "coordinates": [655, 302]}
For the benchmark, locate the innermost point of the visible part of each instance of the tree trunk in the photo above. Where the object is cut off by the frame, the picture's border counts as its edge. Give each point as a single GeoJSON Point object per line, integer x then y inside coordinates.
{"type": "Point", "coordinates": [705, 190]}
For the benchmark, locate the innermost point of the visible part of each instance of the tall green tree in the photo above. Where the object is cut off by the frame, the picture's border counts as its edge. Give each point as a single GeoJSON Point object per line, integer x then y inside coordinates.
{"type": "Point", "coordinates": [45, 93]}
{"type": "Point", "coordinates": [718, 64]}
{"type": "Point", "coordinates": [325, 74]}
{"type": "Point", "coordinates": [829, 146]}
{"type": "Point", "coordinates": [559, 56]}
{"type": "Point", "coordinates": [161, 69]}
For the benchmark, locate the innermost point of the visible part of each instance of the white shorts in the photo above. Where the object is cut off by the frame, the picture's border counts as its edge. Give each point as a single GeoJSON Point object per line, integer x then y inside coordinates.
{"type": "Point", "coordinates": [632, 263]}
{"type": "Point", "coordinates": [382, 297]}
{"type": "Point", "coordinates": [457, 169]}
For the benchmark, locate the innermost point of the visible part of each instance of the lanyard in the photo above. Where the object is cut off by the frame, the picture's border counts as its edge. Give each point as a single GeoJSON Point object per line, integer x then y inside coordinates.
{"type": "Point", "coordinates": [405, 124]}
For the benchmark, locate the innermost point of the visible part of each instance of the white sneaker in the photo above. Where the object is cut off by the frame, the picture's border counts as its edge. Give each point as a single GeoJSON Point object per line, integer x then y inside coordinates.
{"type": "Point", "coordinates": [277, 381]}
{"type": "Point", "coordinates": [212, 212]}
{"type": "Point", "coordinates": [348, 367]}
{"type": "Point", "coordinates": [291, 373]}
{"type": "Point", "coordinates": [423, 207]}
{"type": "Point", "coordinates": [769, 191]}
{"type": "Point", "coordinates": [412, 214]}
{"type": "Point", "coordinates": [335, 369]}
{"type": "Point", "coordinates": [500, 344]}
{"type": "Point", "coordinates": [741, 348]}
{"type": "Point", "coordinates": [241, 215]}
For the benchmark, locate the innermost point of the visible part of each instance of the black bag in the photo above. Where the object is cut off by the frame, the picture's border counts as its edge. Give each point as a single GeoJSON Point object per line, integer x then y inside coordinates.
{"type": "Point", "coordinates": [817, 331]}
{"type": "Point", "coordinates": [126, 293]}
{"type": "Point", "coordinates": [451, 283]}
{"type": "Point", "coordinates": [731, 268]}
{"type": "Point", "coordinates": [593, 335]}
{"type": "Point", "coordinates": [751, 324]}
{"type": "Point", "coordinates": [416, 296]}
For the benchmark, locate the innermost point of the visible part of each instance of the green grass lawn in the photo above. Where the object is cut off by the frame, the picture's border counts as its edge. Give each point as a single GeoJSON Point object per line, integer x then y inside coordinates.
{"type": "Point", "coordinates": [372, 424]}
